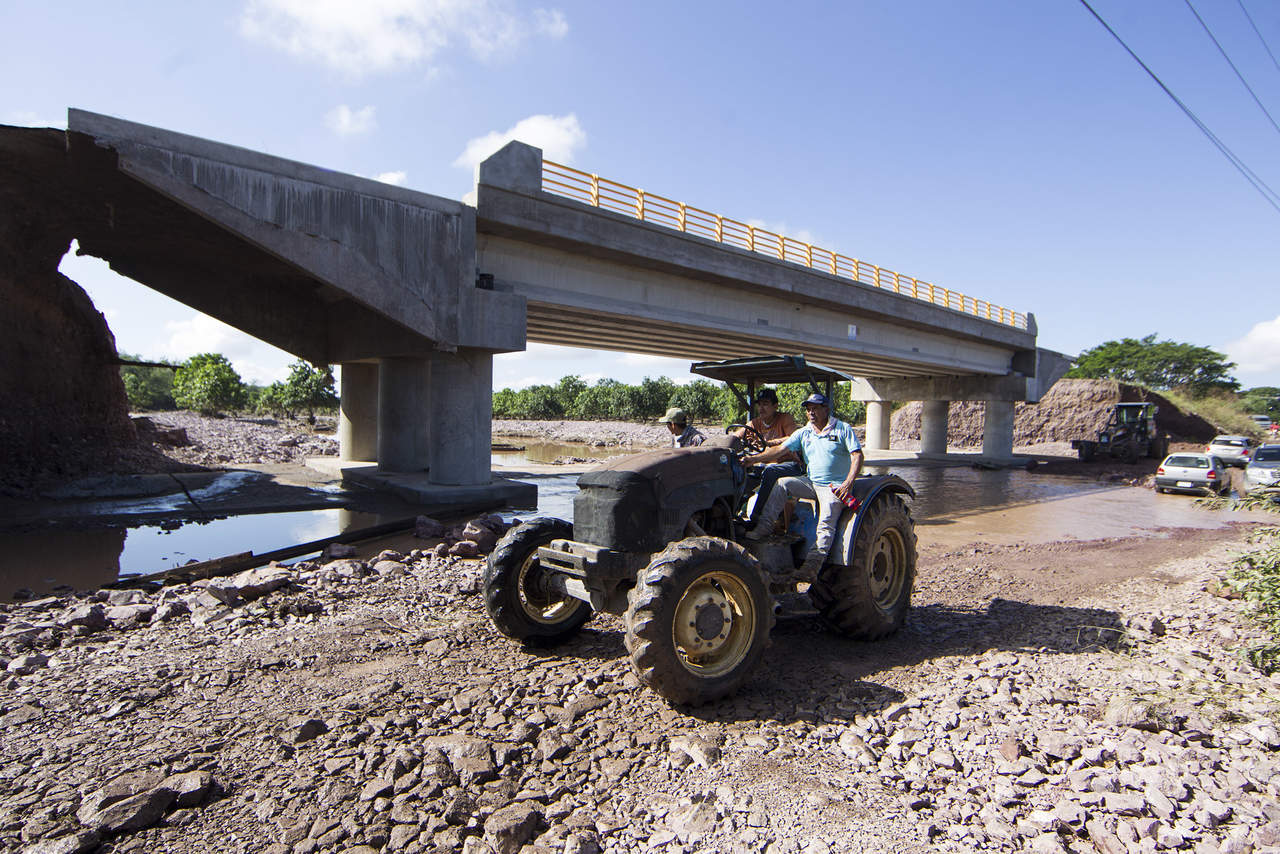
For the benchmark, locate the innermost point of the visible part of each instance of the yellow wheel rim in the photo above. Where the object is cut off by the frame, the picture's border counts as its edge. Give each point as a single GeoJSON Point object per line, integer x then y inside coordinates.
{"type": "Point", "coordinates": [715, 622]}
{"type": "Point", "coordinates": [539, 603]}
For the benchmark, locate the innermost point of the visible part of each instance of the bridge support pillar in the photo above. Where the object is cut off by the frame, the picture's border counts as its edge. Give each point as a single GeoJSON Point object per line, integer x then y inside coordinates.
{"type": "Point", "coordinates": [461, 413]}
{"type": "Point", "coordinates": [878, 412]}
{"type": "Point", "coordinates": [358, 412]}
{"type": "Point", "coordinates": [403, 424]}
{"type": "Point", "coordinates": [997, 430]}
{"type": "Point", "coordinates": [933, 427]}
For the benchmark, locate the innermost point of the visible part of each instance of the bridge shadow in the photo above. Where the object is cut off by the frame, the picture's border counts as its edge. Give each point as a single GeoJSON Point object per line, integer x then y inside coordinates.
{"type": "Point", "coordinates": [811, 673]}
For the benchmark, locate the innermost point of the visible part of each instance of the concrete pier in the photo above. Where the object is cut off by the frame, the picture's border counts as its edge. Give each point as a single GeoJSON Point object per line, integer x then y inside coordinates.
{"type": "Point", "coordinates": [933, 426]}
{"type": "Point", "coordinates": [403, 424]}
{"type": "Point", "coordinates": [997, 430]}
{"type": "Point", "coordinates": [878, 413]}
{"type": "Point", "coordinates": [461, 399]}
{"type": "Point", "coordinates": [358, 412]}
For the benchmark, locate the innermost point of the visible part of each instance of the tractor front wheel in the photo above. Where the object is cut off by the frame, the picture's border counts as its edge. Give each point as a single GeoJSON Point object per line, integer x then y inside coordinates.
{"type": "Point", "coordinates": [516, 592]}
{"type": "Point", "coordinates": [698, 620]}
{"type": "Point", "coordinates": [870, 599]}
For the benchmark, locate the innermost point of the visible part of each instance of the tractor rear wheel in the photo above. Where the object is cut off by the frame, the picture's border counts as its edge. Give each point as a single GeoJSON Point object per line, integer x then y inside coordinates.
{"type": "Point", "coordinates": [698, 620]}
{"type": "Point", "coordinates": [516, 594]}
{"type": "Point", "coordinates": [870, 599]}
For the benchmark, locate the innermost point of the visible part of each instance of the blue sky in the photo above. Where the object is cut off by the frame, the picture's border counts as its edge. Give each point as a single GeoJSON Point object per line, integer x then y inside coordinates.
{"type": "Point", "coordinates": [1008, 149]}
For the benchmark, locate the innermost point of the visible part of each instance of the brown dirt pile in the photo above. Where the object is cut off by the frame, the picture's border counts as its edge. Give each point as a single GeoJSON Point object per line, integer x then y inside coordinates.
{"type": "Point", "coordinates": [62, 404]}
{"type": "Point", "coordinates": [1072, 409]}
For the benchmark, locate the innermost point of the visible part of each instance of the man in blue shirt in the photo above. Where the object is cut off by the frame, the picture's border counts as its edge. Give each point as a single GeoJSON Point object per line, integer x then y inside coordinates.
{"type": "Point", "coordinates": [833, 455]}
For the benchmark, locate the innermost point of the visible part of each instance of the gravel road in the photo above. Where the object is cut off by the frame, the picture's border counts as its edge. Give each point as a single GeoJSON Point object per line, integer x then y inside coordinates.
{"type": "Point", "coordinates": [367, 705]}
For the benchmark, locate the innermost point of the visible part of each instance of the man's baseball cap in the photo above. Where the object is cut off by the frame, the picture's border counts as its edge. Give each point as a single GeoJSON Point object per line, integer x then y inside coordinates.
{"type": "Point", "coordinates": [817, 399]}
{"type": "Point", "coordinates": [675, 415]}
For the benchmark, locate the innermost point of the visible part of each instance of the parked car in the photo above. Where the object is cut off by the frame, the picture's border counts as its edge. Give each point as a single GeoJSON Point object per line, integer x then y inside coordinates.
{"type": "Point", "coordinates": [1263, 470]}
{"type": "Point", "coordinates": [1232, 450]}
{"type": "Point", "coordinates": [1263, 421]}
{"type": "Point", "coordinates": [1192, 473]}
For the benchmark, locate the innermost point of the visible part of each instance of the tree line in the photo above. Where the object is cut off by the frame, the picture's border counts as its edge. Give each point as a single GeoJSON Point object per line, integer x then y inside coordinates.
{"type": "Point", "coordinates": [208, 383]}
{"type": "Point", "coordinates": [571, 398]}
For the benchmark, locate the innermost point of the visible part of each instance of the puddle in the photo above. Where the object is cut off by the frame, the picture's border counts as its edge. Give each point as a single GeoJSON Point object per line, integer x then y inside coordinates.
{"type": "Point", "coordinates": [545, 453]}
{"type": "Point", "coordinates": [85, 559]}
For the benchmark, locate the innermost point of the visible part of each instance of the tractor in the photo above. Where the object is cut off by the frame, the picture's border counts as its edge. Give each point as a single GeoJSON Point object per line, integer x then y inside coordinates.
{"type": "Point", "coordinates": [1130, 433]}
{"type": "Point", "coordinates": [658, 538]}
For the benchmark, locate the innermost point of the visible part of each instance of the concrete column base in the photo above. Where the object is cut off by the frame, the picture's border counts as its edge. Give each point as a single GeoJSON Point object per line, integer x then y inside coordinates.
{"type": "Point", "coordinates": [403, 426]}
{"type": "Point", "coordinates": [878, 413]}
{"type": "Point", "coordinates": [358, 412]}
{"type": "Point", "coordinates": [461, 413]}
{"type": "Point", "coordinates": [997, 430]}
{"type": "Point", "coordinates": [933, 426]}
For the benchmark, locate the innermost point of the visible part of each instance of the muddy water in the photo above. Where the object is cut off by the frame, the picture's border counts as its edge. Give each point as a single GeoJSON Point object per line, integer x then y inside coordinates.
{"type": "Point", "coordinates": [83, 559]}
{"type": "Point", "coordinates": [544, 453]}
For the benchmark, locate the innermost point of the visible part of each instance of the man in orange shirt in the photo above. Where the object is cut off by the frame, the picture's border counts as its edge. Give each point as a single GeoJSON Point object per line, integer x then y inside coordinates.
{"type": "Point", "coordinates": [775, 427]}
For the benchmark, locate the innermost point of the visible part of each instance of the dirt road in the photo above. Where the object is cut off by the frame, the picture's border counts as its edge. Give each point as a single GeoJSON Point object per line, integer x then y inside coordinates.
{"type": "Point", "coordinates": [1055, 696]}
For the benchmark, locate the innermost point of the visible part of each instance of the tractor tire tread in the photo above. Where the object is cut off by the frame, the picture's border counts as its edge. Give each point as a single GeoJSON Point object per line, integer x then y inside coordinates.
{"type": "Point", "coordinates": [501, 575]}
{"type": "Point", "coordinates": [658, 584]}
{"type": "Point", "coordinates": [842, 594]}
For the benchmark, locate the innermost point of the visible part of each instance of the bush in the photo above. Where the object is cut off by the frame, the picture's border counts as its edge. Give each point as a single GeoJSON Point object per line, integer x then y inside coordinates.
{"type": "Point", "coordinates": [207, 383]}
{"type": "Point", "coordinates": [1256, 576]}
{"type": "Point", "coordinates": [147, 388]}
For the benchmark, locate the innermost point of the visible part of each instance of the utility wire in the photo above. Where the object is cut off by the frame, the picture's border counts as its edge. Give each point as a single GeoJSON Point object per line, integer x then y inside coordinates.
{"type": "Point", "coordinates": [1265, 46]}
{"type": "Point", "coordinates": [1269, 194]}
{"type": "Point", "coordinates": [1223, 51]}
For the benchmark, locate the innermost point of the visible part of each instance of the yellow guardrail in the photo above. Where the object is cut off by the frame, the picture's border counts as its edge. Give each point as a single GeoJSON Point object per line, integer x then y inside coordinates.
{"type": "Point", "coordinates": [650, 207]}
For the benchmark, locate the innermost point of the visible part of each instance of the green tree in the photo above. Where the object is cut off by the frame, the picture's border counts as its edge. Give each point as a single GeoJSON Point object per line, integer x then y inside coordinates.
{"type": "Point", "coordinates": [1158, 364]}
{"type": "Point", "coordinates": [567, 391]}
{"type": "Point", "coordinates": [207, 383]}
{"type": "Point", "coordinates": [1261, 400]}
{"type": "Point", "coordinates": [309, 387]}
{"type": "Point", "coordinates": [148, 388]}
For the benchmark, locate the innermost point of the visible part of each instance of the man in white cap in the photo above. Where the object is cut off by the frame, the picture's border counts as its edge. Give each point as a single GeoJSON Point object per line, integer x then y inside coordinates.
{"type": "Point", "coordinates": [683, 434]}
{"type": "Point", "coordinates": [833, 455]}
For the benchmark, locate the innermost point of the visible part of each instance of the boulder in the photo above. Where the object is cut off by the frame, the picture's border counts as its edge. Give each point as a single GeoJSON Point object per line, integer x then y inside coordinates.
{"type": "Point", "coordinates": [259, 581]}
{"type": "Point", "coordinates": [508, 829]}
{"type": "Point", "coordinates": [93, 617]}
{"type": "Point", "coordinates": [426, 528]}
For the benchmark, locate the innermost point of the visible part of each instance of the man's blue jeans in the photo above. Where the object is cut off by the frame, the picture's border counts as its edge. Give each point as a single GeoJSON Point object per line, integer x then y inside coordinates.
{"type": "Point", "coordinates": [769, 475]}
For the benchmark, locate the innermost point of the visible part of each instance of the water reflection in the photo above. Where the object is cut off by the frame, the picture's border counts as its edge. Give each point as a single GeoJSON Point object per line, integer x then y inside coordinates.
{"type": "Point", "coordinates": [531, 452]}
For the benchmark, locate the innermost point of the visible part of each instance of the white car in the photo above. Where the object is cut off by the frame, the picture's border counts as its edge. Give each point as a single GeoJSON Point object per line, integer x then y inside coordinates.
{"type": "Point", "coordinates": [1192, 473]}
{"type": "Point", "coordinates": [1263, 471]}
{"type": "Point", "coordinates": [1232, 450]}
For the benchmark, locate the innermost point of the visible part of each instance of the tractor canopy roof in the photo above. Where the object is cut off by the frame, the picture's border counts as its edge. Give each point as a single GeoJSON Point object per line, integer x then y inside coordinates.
{"type": "Point", "coordinates": [769, 369]}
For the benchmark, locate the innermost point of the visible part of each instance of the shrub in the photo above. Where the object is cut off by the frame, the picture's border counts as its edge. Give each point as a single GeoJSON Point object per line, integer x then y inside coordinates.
{"type": "Point", "coordinates": [207, 383]}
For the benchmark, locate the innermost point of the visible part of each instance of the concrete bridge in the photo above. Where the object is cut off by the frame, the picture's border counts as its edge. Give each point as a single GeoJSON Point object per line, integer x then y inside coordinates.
{"type": "Point", "coordinates": [413, 294]}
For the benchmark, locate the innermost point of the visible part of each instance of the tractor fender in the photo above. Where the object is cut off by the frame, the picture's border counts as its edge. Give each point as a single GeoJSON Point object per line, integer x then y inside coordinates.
{"type": "Point", "coordinates": [868, 490]}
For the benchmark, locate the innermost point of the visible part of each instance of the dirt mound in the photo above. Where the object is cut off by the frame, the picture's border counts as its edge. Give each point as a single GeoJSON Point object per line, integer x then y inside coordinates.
{"type": "Point", "coordinates": [1072, 409]}
{"type": "Point", "coordinates": [62, 404]}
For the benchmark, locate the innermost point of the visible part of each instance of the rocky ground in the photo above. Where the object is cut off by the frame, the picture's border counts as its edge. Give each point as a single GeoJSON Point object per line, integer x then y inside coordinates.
{"type": "Point", "coordinates": [597, 433]}
{"type": "Point", "coordinates": [201, 440]}
{"type": "Point", "coordinates": [368, 705]}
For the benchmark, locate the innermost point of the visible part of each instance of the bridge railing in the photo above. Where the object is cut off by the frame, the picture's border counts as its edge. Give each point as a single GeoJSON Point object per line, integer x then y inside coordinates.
{"type": "Point", "coordinates": [660, 210]}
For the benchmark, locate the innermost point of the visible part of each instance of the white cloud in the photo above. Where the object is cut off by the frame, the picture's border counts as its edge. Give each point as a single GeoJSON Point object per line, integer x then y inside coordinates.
{"type": "Point", "coordinates": [551, 22]}
{"type": "Point", "coordinates": [29, 119]}
{"type": "Point", "coordinates": [1258, 352]}
{"type": "Point", "coordinates": [559, 137]}
{"type": "Point", "coordinates": [345, 121]}
{"type": "Point", "coordinates": [395, 178]}
{"type": "Point", "coordinates": [384, 35]}
{"type": "Point", "coordinates": [804, 235]}
{"type": "Point", "coordinates": [254, 360]}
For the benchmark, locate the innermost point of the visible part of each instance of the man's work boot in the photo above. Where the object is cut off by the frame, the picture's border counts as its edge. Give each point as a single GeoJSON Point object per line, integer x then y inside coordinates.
{"type": "Point", "coordinates": [813, 562]}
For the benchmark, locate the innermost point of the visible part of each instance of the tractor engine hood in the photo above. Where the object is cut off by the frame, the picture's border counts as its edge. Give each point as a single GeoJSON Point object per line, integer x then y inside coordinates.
{"type": "Point", "coordinates": [641, 502]}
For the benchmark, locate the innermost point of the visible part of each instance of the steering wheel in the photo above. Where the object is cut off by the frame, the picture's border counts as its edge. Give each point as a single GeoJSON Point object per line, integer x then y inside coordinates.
{"type": "Point", "coordinates": [752, 441]}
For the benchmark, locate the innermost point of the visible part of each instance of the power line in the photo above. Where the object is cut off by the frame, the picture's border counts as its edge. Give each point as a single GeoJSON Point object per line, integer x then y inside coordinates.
{"type": "Point", "coordinates": [1240, 76]}
{"type": "Point", "coordinates": [1265, 46]}
{"type": "Point", "coordinates": [1258, 184]}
